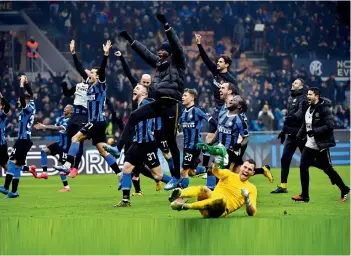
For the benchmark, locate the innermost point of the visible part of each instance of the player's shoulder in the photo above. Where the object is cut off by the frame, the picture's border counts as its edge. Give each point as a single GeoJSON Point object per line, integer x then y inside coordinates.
{"type": "Point", "coordinates": [147, 100]}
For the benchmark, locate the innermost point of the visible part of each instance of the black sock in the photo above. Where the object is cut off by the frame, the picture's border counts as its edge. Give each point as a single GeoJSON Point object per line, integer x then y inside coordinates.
{"type": "Point", "coordinates": [8, 180]}
{"type": "Point", "coordinates": [25, 168]}
{"type": "Point", "coordinates": [205, 160]}
{"type": "Point", "coordinates": [65, 183]}
{"type": "Point", "coordinates": [136, 184]}
{"type": "Point", "coordinates": [70, 159]}
{"type": "Point", "coordinates": [15, 185]}
{"type": "Point", "coordinates": [126, 195]}
{"type": "Point", "coordinates": [259, 171]}
{"type": "Point", "coordinates": [45, 168]}
{"type": "Point", "coordinates": [115, 168]}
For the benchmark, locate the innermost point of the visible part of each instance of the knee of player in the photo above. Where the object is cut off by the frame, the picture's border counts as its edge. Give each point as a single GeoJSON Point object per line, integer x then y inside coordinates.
{"type": "Point", "coordinates": [75, 138]}
{"type": "Point", "coordinates": [127, 167]}
{"type": "Point", "coordinates": [101, 150]}
{"type": "Point", "coordinates": [205, 192]}
{"type": "Point", "coordinates": [167, 155]}
{"type": "Point", "coordinates": [157, 173]}
{"type": "Point", "coordinates": [184, 172]}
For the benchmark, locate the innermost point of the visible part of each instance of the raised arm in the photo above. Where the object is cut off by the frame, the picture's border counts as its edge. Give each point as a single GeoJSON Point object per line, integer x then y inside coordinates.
{"type": "Point", "coordinates": [77, 63]}
{"type": "Point", "coordinates": [133, 81]}
{"type": "Point", "coordinates": [102, 70]}
{"type": "Point", "coordinates": [208, 62]}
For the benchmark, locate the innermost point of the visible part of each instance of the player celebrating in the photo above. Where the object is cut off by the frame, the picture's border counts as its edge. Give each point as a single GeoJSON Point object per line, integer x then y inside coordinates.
{"type": "Point", "coordinates": [191, 123]}
{"type": "Point", "coordinates": [232, 191]}
{"type": "Point", "coordinates": [4, 110]}
{"type": "Point", "coordinates": [158, 131]}
{"type": "Point", "coordinates": [23, 143]}
{"type": "Point", "coordinates": [220, 75]}
{"type": "Point", "coordinates": [142, 151]}
{"type": "Point", "coordinates": [95, 128]}
{"type": "Point", "coordinates": [59, 147]}
{"type": "Point", "coordinates": [168, 84]}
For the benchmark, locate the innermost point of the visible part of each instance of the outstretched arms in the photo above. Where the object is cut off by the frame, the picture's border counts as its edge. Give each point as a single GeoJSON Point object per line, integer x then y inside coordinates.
{"type": "Point", "coordinates": [67, 92]}
{"type": "Point", "coordinates": [106, 48]}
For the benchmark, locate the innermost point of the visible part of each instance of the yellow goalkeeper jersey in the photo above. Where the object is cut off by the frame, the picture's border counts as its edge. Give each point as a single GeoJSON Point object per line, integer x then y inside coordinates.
{"type": "Point", "coordinates": [230, 186]}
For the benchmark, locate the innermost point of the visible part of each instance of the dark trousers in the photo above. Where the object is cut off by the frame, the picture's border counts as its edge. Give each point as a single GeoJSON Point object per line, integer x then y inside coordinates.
{"type": "Point", "coordinates": [168, 110]}
{"type": "Point", "coordinates": [291, 144]}
{"type": "Point", "coordinates": [323, 159]}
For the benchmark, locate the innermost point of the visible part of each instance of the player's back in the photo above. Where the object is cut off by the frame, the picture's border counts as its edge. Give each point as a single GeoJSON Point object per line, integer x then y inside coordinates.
{"type": "Point", "coordinates": [230, 187]}
{"type": "Point", "coordinates": [81, 95]}
{"type": "Point", "coordinates": [144, 129]}
{"type": "Point", "coordinates": [25, 121]}
{"type": "Point", "coordinates": [96, 101]}
{"type": "Point", "coordinates": [3, 118]}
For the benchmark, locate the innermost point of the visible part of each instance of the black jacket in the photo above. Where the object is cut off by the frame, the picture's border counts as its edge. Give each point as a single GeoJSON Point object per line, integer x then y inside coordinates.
{"type": "Point", "coordinates": [297, 106]}
{"type": "Point", "coordinates": [168, 82]}
{"type": "Point", "coordinates": [322, 125]}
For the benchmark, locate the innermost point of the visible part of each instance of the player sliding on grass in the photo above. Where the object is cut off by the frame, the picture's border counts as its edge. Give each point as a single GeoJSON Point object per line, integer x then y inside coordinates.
{"type": "Point", "coordinates": [232, 191]}
{"type": "Point", "coordinates": [59, 147]}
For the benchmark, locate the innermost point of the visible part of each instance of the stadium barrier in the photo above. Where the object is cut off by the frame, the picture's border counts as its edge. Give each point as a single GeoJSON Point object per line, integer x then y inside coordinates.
{"type": "Point", "coordinates": [263, 147]}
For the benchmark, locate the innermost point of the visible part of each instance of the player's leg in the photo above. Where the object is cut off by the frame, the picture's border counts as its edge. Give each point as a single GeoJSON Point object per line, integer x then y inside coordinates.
{"type": "Point", "coordinates": [9, 176]}
{"type": "Point", "coordinates": [79, 155]}
{"type": "Point", "coordinates": [209, 137]}
{"type": "Point", "coordinates": [73, 150]}
{"type": "Point", "coordinates": [307, 158]}
{"type": "Point", "coordinates": [4, 157]}
{"type": "Point", "coordinates": [111, 161]}
{"type": "Point", "coordinates": [136, 181]}
{"type": "Point", "coordinates": [190, 158]}
{"type": "Point", "coordinates": [288, 152]}
{"type": "Point", "coordinates": [170, 124]}
{"type": "Point", "coordinates": [163, 146]}
{"type": "Point", "coordinates": [52, 149]}
{"type": "Point", "coordinates": [323, 158]}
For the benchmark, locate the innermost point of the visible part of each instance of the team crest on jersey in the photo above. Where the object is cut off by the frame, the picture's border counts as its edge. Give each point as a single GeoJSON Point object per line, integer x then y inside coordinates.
{"type": "Point", "coordinates": [230, 123]}
{"type": "Point", "coordinates": [317, 114]}
{"type": "Point", "coordinates": [191, 116]}
{"type": "Point", "coordinates": [294, 100]}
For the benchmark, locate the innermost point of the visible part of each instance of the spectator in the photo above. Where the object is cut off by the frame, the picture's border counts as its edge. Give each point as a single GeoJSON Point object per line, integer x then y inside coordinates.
{"type": "Point", "coordinates": [267, 117]}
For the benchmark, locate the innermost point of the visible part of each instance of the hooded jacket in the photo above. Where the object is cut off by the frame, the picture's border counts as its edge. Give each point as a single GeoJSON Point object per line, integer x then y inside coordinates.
{"type": "Point", "coordinates": [297, 106]}
{"type": "Point", "coordinates": [322, 125]}
{"type": "Point", "coordinates": [168, 81]}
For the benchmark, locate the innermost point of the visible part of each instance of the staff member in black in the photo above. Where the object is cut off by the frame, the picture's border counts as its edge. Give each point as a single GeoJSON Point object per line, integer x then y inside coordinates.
{"type": "Point", "coordinates": [317, 128]}
{"type": "Point", "coordinates": [168, 86]}
{"type": "Point", "coordinates": [297, 105]}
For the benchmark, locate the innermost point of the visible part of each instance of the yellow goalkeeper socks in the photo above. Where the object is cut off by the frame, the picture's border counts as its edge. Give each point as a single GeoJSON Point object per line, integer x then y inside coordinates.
{"type": "Point", "coordinates": [284, 185]}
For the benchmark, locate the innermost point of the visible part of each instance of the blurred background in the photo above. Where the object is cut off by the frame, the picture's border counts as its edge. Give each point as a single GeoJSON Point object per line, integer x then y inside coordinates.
{"type": "Point", "coordinates": [271, 44]}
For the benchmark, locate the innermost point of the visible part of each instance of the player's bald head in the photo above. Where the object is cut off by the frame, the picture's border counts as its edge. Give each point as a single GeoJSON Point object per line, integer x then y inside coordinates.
{"type": "Point", "coordinates": [68, 110]}
{"type": "Point", "coordinates": [145, 80]}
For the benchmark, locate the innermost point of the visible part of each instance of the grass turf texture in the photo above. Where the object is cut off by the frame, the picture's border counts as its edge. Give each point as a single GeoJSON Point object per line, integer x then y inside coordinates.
{"type": "Point", "coordinates": [83, 221]}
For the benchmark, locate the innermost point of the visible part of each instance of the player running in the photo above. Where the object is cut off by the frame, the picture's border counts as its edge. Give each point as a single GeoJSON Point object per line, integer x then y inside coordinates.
{"type": "Point", "coordinates": [4, 110]}
{"type": "Point", "coordinates": [23, 143]}
{"type": "Point", "coordinates": [96, 126]}
{"type": "Point", "coordinates": [59, 147]}
{"type": "Point", "coordinates": [142, 151]}
{"type": "Point", "coordinates": [231, 193]}
{"type": "Point", "coordinates": [191, 123]}
{"type": "Point", "coordinates": [220, 75]}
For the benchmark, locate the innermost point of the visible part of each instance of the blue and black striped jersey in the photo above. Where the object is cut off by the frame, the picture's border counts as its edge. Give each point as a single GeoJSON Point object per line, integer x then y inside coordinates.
{"type": "Point", "coordinates": [144, 129]}
{"type": "Point", "coordinates": [3, 118]}
{"type": "Point", "coordinates": [25, 121]}
{"type": "Point", "coordinates": [158, 123]}
{"type": "Point", "coordinates": [191, 122]}
{"type": "Point", "coordinates": [96, 101]}
{"type": "Point", "coordinates": [63, 140]}
{"type": "Point", "coordinates": [229, 129]}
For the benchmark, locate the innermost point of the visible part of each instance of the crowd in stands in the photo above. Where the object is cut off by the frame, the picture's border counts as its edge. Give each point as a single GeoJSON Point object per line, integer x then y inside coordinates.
{"type": "Point", "coordinates": [293, 29]}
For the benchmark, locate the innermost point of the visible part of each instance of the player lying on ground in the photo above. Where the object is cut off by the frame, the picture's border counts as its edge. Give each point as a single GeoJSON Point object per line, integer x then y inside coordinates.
{"type": "Point", "coordinates": [23, 143]}
{"type": "Point", "coordinates": [59, 147]}
{"type": "Point", "coordinates": [232, 191]}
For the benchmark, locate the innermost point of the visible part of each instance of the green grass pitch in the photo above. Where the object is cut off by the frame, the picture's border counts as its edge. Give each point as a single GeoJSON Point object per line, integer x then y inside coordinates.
{"type": "Point", "coordinates": [83, 221]}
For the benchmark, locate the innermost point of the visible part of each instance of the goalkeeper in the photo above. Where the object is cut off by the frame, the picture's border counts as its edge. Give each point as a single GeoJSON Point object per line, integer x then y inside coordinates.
{"type": "Point", "coordinates": [231, 193]}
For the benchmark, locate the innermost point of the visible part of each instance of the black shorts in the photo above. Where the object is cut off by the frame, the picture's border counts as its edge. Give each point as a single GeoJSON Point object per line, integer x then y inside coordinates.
{"type": "Point", "coordinates": [20, 151]}
{"type": "Point", "coordinates": [144, 153]}
{"type": "Point", "coordinates": [190, 158]}
{"type": "Point", "coordinates": [211, 127]}
{"type": "Point", "coordinates": [4, 155]}
{"type": "Point", "coordinates": [55, 149]}
{"type": "Point", "coordinates": [95, 131]}
{"type": "Point", "coordinates": [161, 141]}
{"type": "Point", "coordinates": [78, 119]}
